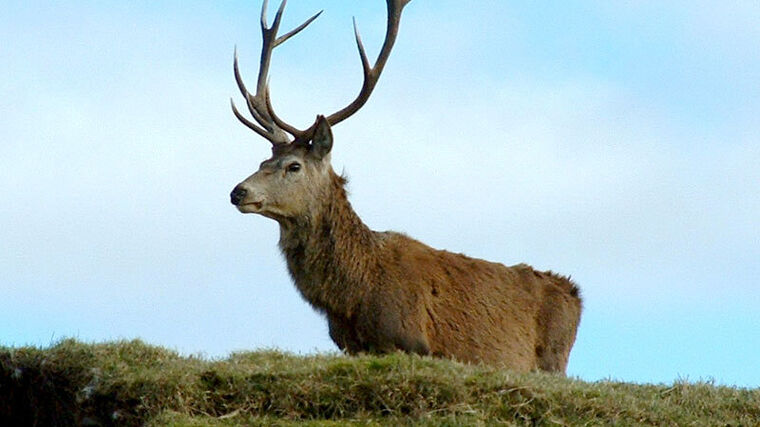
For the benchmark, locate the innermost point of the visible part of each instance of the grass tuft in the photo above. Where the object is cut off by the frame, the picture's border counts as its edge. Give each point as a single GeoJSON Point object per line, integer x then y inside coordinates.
{"type": "Point", "coordinates": [131, 383]}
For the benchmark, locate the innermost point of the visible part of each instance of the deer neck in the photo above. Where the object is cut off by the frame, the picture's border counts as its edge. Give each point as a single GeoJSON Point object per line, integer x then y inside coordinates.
{"type": "Point", "coordinates": [330, 253]}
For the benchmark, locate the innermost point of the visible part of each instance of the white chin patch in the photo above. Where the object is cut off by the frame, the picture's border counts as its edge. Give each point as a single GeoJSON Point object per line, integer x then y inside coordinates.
{"type": "Point", "coordinates": [250, 208]}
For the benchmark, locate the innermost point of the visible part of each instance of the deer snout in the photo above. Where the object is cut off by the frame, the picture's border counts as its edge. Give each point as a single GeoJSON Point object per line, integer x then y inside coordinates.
{"type": "Point", "coordinates": [238, 195]}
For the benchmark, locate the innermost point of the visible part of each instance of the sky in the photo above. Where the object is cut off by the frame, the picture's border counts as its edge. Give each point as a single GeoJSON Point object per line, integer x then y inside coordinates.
{"type": "Point", "coordinates": [615, 142]}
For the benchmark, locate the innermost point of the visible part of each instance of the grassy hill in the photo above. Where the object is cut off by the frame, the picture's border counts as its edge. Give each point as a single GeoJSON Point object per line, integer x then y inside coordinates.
{"type": "Point", "coordinates": [132, 383]}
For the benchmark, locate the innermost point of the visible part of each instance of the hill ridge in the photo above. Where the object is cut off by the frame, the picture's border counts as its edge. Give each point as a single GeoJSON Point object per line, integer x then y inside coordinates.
{"type": "Point", "coordinates": [133, 383]}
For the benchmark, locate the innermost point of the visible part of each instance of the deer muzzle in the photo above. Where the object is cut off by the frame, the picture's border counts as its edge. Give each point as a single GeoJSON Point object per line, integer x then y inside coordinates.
{"type": "Point", "coordinates": [238, 195]}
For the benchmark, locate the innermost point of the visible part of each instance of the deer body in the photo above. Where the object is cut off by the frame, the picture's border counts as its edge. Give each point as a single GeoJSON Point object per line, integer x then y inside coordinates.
{"type": "Point", "coordinates": [384, 291]}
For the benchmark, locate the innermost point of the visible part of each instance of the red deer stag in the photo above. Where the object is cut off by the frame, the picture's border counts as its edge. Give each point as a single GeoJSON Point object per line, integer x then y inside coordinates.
{"type": "Point", "coordinates": [384, 291]}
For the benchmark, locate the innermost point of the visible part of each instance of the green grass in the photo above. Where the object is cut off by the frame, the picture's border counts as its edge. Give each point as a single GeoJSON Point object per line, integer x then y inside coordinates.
{"type": "Point", "coordinates": [132, 383]}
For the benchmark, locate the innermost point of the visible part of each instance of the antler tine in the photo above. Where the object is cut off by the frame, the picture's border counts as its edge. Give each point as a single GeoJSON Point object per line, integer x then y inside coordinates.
{"type": "Point", "coordinates": [264, 14]}
{"type": "Point", "coordinates": [247, 95]}
{"type": "Point", "coordinates": [372, 74]}
{"type": "Point", "coordinates": [249, 123]}
{"type": "Point", "coordinates": [362, 53]}
{"type": "Point", "coordinates": [269, 125]}
{"type": "Point", "coordinates": [268, 36]}
{"type": "Point", "coordinates": [277, 120]}
{"type": "Point", "coordinates": [285, 37]}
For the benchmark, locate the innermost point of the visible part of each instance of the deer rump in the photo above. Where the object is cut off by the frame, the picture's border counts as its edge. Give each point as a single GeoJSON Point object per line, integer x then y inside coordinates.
{"type": "Point", "coordinates": [383, 291]}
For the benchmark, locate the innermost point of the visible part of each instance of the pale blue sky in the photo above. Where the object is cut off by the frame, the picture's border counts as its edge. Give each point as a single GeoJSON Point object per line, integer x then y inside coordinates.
{"type": "Point", "coordinates": [617, 142]}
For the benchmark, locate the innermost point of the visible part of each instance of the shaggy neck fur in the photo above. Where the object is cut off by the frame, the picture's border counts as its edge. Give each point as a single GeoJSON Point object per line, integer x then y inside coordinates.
{"type": "Point", "coordinates": [330, 252]}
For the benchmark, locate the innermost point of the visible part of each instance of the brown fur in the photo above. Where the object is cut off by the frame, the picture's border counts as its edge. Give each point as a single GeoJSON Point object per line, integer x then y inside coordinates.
{"type": "Point", "coordinates": [383, 292]}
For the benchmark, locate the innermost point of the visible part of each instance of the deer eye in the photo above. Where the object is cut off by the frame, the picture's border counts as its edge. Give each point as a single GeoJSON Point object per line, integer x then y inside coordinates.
{"type": "Point", "coordinates": [294, 167]}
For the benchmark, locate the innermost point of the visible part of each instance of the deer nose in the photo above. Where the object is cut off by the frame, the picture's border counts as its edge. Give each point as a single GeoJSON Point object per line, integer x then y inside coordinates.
{"type": "Point", "coordinates": [237, 195]}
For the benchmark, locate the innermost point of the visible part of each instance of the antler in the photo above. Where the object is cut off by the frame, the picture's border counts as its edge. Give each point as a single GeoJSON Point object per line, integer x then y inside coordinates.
{"type": "Point", "coordinates": [372, 74]}
{"type": "Point", "coordinates": [270, 125]}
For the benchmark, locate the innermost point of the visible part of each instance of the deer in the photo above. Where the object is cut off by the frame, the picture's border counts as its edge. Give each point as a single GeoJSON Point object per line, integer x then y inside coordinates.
{"type": "Point", "coordinates": [384, 292]}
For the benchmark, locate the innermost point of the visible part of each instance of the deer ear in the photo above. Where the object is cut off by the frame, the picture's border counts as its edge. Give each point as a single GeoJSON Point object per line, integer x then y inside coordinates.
{"type": "Point", "coordinates": [321, 143]}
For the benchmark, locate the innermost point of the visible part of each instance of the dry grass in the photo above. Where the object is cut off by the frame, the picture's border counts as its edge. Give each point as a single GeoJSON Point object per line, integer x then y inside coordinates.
{"type": "Point", "coordinates": [131, 383]}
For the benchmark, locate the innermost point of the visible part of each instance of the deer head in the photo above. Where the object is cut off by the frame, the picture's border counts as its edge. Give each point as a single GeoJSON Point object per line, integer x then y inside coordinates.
{"type": "Point", "coordinates": [295, 178]}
